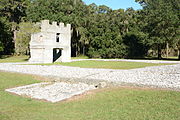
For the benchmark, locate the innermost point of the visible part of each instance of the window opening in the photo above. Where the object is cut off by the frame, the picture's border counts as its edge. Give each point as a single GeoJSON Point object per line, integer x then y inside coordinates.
{"type": "Point", "coordinates": [57, 37]}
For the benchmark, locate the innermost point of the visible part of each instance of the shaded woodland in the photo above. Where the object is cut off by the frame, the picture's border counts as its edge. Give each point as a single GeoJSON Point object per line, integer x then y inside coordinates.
{"type": "Point", "coordinates": [97, 31]}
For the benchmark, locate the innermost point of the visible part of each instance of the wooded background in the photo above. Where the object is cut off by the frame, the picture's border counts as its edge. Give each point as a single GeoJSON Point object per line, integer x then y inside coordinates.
{"type": "Point", "coordinates": [98, 31]}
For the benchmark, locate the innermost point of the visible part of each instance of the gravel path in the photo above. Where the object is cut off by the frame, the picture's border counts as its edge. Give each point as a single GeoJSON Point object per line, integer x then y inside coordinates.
{"type": "Point", "coordinates": [167, 76]}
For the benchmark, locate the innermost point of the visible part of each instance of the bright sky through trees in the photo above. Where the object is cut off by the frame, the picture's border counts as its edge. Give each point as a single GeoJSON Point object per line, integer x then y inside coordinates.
{"type": "Point", "coordinates": [116, 4]}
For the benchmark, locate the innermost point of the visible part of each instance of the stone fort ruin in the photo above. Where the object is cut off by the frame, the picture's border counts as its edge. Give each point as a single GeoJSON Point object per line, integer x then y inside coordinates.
{"type": "Point", "coordinates": [52, 44]}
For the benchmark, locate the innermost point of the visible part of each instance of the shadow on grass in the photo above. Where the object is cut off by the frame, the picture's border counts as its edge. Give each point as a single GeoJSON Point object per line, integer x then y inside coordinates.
{"type": "Point", "coordinates": [25, 59]}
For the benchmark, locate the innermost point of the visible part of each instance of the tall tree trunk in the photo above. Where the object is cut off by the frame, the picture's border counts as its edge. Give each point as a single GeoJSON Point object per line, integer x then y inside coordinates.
{"type": "Point", "coordinates": [14, 39]}
{"type": "Point", "coordinates": [83, 49]}
{"type": "Point", "coordinates": [159, 52]}
{"type": "Point", "coordinates": [167, 50]}
{"type": "Point", "coordinates": [127, 30]}
{"type": "Point", "coordinates": [76, 49]}
{"type": "Point", "coordinates": [179, 54]}
{"type": "Point", "coordinates": [14, 30]}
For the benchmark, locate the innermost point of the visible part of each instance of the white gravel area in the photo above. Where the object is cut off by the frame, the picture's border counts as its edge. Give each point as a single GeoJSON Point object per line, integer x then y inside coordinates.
{"type": "Point", "coordinates": [52, 92]}
{"type": "Point", "coordinates": [167, 76]}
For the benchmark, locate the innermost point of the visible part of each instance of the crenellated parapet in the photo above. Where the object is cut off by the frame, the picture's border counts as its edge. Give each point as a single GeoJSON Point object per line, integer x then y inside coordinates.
{"type": "Point", "coordinates": [46, 26]}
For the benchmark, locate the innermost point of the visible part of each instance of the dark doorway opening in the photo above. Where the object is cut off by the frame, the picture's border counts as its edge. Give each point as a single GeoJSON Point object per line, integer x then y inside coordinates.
{"type": "Point", "coordinates": [57, 52]}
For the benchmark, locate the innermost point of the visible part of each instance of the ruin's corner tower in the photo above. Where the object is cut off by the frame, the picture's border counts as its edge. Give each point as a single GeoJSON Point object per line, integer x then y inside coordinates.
{"type": "Point", "coordinates": [52, 44]}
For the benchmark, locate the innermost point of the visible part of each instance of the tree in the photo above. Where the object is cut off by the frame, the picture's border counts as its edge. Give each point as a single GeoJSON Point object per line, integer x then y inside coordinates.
{"type": "Point", "coordinates": [14, 12]}
{"type": "Point", "coordinates": [133, 34]}
{"type": "Point", "coordinates": [6, 46]}
{"type": "Point", "coordinates": [105, 34]}
{"type": "Point", "coordinates": [24, 36]}
{"type": "Point", "coordinates": [161, 22]}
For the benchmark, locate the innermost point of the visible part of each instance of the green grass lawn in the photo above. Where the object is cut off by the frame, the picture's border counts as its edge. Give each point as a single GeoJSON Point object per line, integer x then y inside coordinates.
{"type": "Point", "coordinates": [108, 64]}
{"type": "Point", "coordinates": [104, 104]}
{"type": "Point", "coordinates": [87, 63]}
{"type": "Point", "coordinates": [6, 58]}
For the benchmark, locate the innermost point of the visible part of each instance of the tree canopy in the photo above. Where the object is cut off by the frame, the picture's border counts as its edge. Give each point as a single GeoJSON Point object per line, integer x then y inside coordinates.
{"type": "Point", "coordinates": [97, 31]}
{"type": "Point", "coordinates": [162, 22]}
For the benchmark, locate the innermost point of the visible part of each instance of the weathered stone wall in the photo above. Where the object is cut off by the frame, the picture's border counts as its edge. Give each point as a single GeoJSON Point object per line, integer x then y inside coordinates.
{"type": "Point", "coordinates": [52, 36]}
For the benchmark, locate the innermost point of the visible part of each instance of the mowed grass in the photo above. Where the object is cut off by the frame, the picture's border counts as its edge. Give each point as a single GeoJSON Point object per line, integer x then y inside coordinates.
{"type": "Point", "coordinates": [6, 58]}
{"type": "Point", "coordinates": [103, 104]}
{"type": "Point", "coordinates": [109, 64]}
{"type": "Point", "coordinates": [87, 63]}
